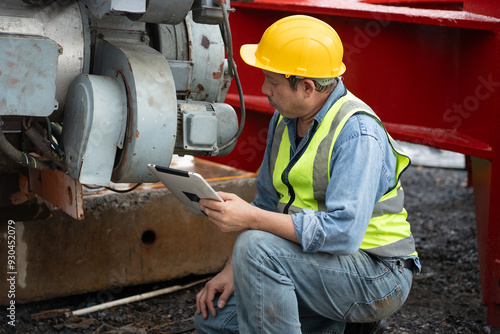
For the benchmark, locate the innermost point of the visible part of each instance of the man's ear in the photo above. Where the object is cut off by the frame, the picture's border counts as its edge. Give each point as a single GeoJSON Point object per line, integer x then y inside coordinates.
{"type": "Point", "coordinates": [308, 86]}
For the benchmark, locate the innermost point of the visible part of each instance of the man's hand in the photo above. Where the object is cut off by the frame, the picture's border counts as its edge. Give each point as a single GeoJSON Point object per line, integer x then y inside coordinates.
{"type": "Point", "coordinates": [236, 215]}
{"type": "Point", "coordinates": [222, 283]}
{"type": "Point", "coordinates": [232, 215]}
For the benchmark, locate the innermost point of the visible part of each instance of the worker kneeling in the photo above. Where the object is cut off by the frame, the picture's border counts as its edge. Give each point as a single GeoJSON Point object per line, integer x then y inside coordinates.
{"type": "Point", "coordinates": [326, 246]}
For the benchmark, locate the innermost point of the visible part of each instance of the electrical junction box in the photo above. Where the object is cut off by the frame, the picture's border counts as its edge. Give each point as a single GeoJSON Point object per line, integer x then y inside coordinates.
{"type": "Point", "coordinates": [200, 130]}
{"type": "Point", "coordinates": [28, 69]}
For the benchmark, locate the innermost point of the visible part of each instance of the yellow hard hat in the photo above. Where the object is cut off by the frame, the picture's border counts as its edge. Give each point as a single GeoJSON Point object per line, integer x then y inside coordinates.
{"type": "Point", "coordinates": [298, 45]}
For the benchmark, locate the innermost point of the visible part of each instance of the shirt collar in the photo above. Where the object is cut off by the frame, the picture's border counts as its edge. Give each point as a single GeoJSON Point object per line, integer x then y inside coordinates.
{"type": "Point", "coordinates": [336, 94]}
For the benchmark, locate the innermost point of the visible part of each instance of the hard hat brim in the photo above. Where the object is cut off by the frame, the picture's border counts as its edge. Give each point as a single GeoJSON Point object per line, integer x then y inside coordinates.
{"type": "Point", "coordinates": [247, 53]}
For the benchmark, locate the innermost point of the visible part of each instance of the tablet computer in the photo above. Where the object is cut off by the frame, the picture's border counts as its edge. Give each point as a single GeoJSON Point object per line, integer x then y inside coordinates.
{"type": "Point", "coordinates": [188, 187]}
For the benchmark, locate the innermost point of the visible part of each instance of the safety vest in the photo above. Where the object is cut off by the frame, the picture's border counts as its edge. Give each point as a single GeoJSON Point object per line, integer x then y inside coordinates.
{"type": "Point", "coordinates": [304, 186]}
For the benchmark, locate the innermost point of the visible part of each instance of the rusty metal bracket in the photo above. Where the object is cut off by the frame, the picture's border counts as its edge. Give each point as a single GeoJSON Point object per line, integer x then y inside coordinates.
{"type": "Point", "coordinates": [59, 189]}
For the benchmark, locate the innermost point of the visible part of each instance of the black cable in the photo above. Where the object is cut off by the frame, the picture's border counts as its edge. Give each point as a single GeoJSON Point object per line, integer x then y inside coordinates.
{"type": "Point", "coordinates": [125, 190]}
{"type": "Point", "coordinates": [113, 189]}
{"type": "Point", "coordinates": [93, 188]}
{"type": "Point", "coordinates": [226, 35]}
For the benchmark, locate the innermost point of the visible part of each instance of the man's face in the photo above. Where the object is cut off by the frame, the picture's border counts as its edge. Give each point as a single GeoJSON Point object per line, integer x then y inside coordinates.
{"type": "Point", "coordinates": [280, 95]}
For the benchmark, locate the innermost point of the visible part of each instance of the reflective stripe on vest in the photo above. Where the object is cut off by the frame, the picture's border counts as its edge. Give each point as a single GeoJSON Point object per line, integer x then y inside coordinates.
{"type": "Point", "coordinates": [388, 233]}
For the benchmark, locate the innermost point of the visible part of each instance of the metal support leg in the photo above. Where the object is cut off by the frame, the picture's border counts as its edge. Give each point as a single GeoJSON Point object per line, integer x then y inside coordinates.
{"type": "Point", "coordinates": [486, 178]}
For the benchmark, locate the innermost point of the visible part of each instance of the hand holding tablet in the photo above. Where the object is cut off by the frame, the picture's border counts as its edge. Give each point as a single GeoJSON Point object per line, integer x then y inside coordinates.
{"type": "Point", "coordinates": [188, 187]}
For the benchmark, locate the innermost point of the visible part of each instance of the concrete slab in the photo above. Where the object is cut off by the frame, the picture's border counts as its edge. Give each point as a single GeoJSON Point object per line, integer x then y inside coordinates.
{"type": "Point", "coordinates": [126, 239]}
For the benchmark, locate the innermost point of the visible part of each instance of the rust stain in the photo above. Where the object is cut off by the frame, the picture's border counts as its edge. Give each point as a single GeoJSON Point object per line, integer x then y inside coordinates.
{"type": "Point", "coordinates": [23, 90]}
{"type": "Point", "coordinates": [14, 82]}
{"type": "Point", "coordinates": [205, 42]}
{"type": "Point", "coordinates": [151, 101]}
{"type": "Point", "coordinates": [0, 72]}
{"type": "Point", "coordinates": [200, 87]}
{"type": "Point", "coordinates": [136, 133]}
{"type": "Point", "coordinates": [4, 102]}
{"type": "Point", "coordinates": [69, 193]}
{"type": "Point", "coordinates": [218, 75]}
{"type": "Point", "coordinates": [129, 103]}
{"type": "Point", "coordinates": [36, 46]}
{"type": "Point", "coordinates": [10, 64]}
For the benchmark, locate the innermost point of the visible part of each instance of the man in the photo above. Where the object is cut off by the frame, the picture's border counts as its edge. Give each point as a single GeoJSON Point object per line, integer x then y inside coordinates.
{"type": "Point", "coordinates": [325, 245]}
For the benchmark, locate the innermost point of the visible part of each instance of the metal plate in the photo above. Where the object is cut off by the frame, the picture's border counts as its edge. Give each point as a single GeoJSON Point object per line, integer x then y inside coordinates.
{"type": "Point", "coordinates": [164, 11]}
{"type": "Point", "coordinates": [57, 188]}
{"type": "Point", "coordinates": [28, 68]}
{"type": "Point", "coordinates": [99, 8]}
{"type": "Point", "coordinates": [62, 22]}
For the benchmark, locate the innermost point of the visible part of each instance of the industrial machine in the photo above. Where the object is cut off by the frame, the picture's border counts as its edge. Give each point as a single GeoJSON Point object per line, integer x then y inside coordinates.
{"type": "Point", "coordinates": [93, 91]}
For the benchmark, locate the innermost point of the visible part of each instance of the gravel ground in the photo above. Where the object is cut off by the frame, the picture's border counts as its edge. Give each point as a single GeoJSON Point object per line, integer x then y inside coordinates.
{"type": "Point", "coordinates": [445, 297]}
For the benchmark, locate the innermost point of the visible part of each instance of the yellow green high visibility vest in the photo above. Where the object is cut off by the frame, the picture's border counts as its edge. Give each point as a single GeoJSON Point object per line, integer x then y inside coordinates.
{"type": "Point", "coordinates": [388, 233]}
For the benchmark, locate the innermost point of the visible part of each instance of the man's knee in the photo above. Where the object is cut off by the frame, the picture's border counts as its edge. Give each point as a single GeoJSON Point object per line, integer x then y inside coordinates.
{"type": "Point", "coordinates": [225, 321]}
{"type": "Point", "coordinates": [208, 326]}
{"type": "Point", "coordinates": [201, 325]}
{"type": "Point", "coordinates": [252, 244]}
{"type": "Point", "coordinates": [253, 248]}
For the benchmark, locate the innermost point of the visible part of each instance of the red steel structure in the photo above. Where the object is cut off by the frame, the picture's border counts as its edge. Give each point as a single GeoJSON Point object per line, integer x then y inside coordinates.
{"type": "Point", "coordinates": [430, 69]}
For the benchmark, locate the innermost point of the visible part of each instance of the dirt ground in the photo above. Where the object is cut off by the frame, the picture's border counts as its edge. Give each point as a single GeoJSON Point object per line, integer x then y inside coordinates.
{"type": "Point", "coordinates": [445, 297]}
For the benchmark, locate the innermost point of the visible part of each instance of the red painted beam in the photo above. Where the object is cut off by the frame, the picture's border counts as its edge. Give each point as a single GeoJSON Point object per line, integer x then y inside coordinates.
{"type": "Point", "coordinates": [439, 81]}
{"type": "Point", "coordinates": [410, 2]}
{"type": "Point", "coordinates": [358, 9]}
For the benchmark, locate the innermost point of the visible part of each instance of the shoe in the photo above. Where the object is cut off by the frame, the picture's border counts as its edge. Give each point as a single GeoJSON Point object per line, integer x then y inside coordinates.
{"type": "Point", "coordinates": [378, 327]}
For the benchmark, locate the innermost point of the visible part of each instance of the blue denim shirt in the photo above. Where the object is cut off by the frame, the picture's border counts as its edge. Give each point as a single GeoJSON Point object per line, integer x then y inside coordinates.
{"type": "Point", "coordinates": [362, 171]}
